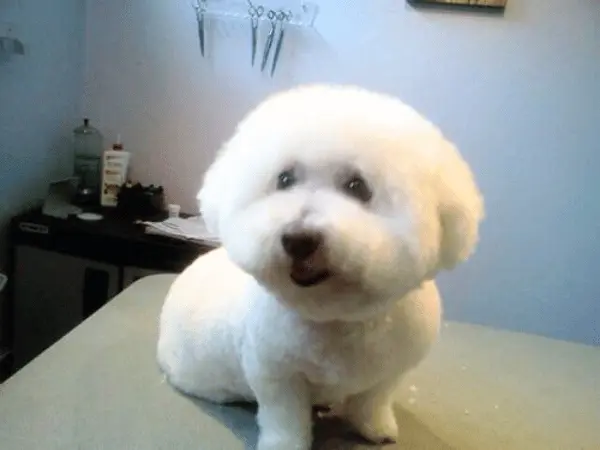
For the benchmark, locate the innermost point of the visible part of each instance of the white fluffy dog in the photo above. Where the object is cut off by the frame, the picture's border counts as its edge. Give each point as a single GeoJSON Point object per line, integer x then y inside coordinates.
{"type": "Point", "coordinates": [336, 208]}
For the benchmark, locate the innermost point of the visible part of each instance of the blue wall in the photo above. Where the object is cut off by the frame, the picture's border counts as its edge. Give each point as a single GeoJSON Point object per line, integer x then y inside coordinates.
{"type": "Point", "coordinates": [40, 99]}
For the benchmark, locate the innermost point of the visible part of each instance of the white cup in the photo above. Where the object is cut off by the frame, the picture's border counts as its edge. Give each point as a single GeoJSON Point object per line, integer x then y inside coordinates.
{"type": "Point", "coordinates": [173, 211]}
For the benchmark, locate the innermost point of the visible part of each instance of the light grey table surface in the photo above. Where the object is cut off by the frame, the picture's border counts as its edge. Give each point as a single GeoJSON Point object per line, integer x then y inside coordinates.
{"type": "Point", "coordinates": [99, 388]}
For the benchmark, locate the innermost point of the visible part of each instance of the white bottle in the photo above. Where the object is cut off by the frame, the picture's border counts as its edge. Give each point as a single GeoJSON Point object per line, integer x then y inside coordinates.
{"type": "Point", "coordinates": [115, 164]}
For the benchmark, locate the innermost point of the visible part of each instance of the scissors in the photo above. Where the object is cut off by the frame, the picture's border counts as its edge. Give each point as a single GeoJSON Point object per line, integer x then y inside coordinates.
{"type": "Point", "coordinates": [281, 18]}
{"type": "Point", "coordinates": [272, 15]}
{"type": "Point", "coordinates": [200, 9]}
{"type": "Point", "coordinates": [256, 13]}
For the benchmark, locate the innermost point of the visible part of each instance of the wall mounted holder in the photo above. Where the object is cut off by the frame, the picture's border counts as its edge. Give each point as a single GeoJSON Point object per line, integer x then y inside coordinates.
{"type": "Point", "coordinates": [303, 14]}
{"type": "Point", "coordinates": [9, 44]}
{"type": "Point", "coordinates": [255, 13]}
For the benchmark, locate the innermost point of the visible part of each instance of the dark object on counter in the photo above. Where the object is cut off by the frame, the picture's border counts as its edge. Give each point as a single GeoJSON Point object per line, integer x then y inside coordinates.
{"type": "Point", "coordinates": [140, 202]}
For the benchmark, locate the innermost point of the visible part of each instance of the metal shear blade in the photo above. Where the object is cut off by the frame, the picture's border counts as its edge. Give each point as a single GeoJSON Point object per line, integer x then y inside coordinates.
{"type": "Point", "coordinates": [200, 8]}
{"type": "Point", "coordinates": [272, 16]}
{"type": "Point", "coordinates": [255, 14]}
{"type": "Point", "coordinates": [277, 50]}
{"type": "Point", "coordinates": [281, 17]}
{"type": "Point", "coordinates": [254, 40]}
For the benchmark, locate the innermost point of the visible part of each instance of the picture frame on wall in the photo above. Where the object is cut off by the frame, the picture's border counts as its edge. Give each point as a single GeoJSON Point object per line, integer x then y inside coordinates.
{"type": "Point", "coordinates": [480, 4]}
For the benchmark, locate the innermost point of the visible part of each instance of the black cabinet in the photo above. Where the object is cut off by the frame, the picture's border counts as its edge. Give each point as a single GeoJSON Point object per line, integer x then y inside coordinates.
{"type": "Point", "coordinates": [63, 270]}
{"type": "Point", "coordinates": [53, 294]}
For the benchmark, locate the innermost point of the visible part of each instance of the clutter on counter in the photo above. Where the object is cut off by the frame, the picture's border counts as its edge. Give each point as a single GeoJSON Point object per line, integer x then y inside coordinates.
{"type": "Point", "coordinates": [134, 201]}
{"type": "Point", "coordinates": [141, 202]}
{"type": "Point", "coordinates": [191, 228]}
{"type": "Point", "coordinates": [100, 188]}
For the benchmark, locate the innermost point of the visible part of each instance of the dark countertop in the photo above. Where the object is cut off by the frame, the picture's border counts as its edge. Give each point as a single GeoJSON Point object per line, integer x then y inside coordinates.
{"type": "Point", "coordinates": [114, 240]}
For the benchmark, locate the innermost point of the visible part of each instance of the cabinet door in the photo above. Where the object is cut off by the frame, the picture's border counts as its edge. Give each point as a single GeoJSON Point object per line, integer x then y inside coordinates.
{"type": "Point", "coordinates": [53, 294]}
{"type": "Point", "coordinates": [132, 274]}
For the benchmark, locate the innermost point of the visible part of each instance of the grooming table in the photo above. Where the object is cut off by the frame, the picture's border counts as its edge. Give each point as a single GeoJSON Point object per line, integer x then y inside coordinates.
{"type": "Point", "coordinates": [481, 389]}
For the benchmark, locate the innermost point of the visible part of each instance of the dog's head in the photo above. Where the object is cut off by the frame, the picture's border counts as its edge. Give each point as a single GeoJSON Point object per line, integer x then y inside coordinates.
{"type": "Point", "coordinates": [339, 200]}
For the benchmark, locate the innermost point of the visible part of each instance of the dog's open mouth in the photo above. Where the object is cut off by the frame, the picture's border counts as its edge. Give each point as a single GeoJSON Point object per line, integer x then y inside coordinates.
{"type": "Point", "coordinates": [304, 274]}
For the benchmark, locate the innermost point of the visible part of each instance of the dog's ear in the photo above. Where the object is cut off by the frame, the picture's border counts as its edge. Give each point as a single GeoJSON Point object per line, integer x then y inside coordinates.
{"type": "Point", "coordinates": [461, 208]}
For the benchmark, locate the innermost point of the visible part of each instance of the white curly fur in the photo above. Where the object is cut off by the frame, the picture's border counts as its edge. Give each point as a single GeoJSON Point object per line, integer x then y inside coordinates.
{"type": "Point", "coordinates": [235, 326]}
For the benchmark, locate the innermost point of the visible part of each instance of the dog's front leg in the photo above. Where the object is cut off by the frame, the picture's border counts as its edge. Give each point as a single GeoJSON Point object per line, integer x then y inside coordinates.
{"type": "Point", "coordinates": [284, 413]}
{"type": "Point", "coordinates": [372, 413]}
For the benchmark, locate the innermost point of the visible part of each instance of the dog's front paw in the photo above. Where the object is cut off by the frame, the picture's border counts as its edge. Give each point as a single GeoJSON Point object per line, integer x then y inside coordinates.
{"type": "Point", "coordinates": [379, 427]}
{"type": "Point", "coordinates": [279, 442]}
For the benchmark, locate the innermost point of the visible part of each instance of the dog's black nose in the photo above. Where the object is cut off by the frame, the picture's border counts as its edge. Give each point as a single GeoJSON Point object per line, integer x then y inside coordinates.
{"type": "Point", "coordinates": [301, 245]}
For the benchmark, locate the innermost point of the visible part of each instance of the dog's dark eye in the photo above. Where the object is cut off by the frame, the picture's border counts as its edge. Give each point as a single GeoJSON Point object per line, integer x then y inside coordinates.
{"type": "Point", "coordinates": [358, 188]}
{"type": "Point", "coordinates": [286, 180]}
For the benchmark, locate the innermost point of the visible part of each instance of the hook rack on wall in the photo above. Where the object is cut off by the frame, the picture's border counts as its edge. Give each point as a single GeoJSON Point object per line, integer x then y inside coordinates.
{"type": "Point", "coordinates": [303, 14]}
{"type": "Point", "coordinates": [256, 12]}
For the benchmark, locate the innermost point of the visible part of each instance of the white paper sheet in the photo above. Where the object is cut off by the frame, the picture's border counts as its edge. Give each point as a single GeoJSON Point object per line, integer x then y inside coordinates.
{"type": "Point", "coordinates": [192, 228]}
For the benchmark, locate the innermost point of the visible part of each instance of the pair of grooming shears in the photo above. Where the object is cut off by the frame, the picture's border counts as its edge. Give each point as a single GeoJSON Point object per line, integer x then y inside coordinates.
{"type": "Point", "coordinates": [200, 10]}
{"type": "Point", "coordinates": [276, 18]}
{"type": "Point", "coordinates": [255, 14]}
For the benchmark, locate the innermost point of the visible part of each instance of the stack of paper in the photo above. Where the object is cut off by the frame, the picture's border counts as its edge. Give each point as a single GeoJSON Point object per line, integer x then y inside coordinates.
{"type": "Point", "coordinates": [192, 228]}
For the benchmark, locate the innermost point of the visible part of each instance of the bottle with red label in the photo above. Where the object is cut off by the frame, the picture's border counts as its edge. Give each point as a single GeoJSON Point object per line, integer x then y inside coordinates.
{"type": "Point", "coordinates": [115, 165]}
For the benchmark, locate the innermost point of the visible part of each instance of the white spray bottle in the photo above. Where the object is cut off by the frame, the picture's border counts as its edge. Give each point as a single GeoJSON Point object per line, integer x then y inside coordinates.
{"type": "Point", "coordinates": [115, 164]}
